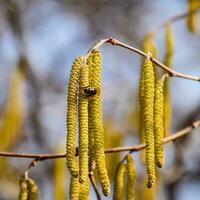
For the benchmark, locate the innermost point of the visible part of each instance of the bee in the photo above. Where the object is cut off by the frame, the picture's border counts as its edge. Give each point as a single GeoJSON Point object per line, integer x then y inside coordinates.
{"type": "Point", "coordinates": [91, 91]}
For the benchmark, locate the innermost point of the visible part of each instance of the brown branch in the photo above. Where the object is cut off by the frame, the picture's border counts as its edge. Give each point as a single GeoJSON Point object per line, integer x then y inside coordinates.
{"type": "Point", "coordinates": [41, 157]}
{"type": "Point", "coordinates": [175, 18]}
{"type": "Point", "coordinates": [170, 71]}
{"type": "Point", "coordinates": [94, 186]}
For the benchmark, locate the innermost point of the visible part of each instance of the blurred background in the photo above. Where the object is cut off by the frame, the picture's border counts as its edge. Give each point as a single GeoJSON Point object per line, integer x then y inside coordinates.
{"type": "Point", "coordinates": [38, 42]}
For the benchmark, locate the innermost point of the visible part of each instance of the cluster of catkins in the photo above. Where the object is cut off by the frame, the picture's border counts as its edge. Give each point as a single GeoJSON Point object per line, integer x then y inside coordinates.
{"type": "Point", "coordinates": [28, 189]}
{"type": "Point", "coordinates": [125, 186]}
{"type": "Point", "coordinates": [84, 113]}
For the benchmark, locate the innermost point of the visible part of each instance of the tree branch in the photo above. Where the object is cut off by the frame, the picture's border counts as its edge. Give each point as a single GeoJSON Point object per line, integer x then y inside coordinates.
{"type": "Point", "coordinates": [41, 157]}
{"type": "Point", "coordinates": [170, 71]}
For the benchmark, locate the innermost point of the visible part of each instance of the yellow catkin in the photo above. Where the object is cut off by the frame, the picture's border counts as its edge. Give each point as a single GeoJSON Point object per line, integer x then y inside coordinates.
{"type": "Point", "coordinates": [148, 107]}
{"type": "Point", "coordinates": [72, 116]}
{"type": "Point", "coordinates": [23, 189]}
{"type": "Point", "coordinates": [169, 42]}
{"type": "Point", "coordinates": [148, 45]}
{"type": "Point", "coordinates": [84, 190]}
{"type": "Point", "coordinates": [59, 176]}
{"type": "Point", "coordinates": [83, 124]}
{"type": "Point", "coordinates": [32, 190]}
{"type": "Point", "coordinates": [94, 63]}
{"type": "Point", "coordinates": [131, 178]}
{"type": "Point", "coordinates": [192, 18]}
{"type": "Point", "coordinates": [119, 182]}
{"type": "Point", "coordinates": [74, 188]}
{"type": "Point", "coordinates": [158, 122]}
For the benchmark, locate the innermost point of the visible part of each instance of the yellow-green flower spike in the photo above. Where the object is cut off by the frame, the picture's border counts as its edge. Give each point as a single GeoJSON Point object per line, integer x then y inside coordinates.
{"type": "Point", "coordinates": [94, 63]}
{"type": "Point", "coordinates": [32, 190]}
{"type": "Point", "coordinates": [192, 18]}
{"type": "Point", "coordinates": [84, 190]}
{"type": "Point", "coordinates": [23, 189]}
{"type": "Point", "coordinates": [72, 116]}
{"type": "Point", "coordinates": [119, 182]}
{"type": "Point", "coordinates": [169, 45]}
{"type": "Point", "coordinates": [158, 122]}
{"type": "Point", "coordinates": [131, 178]}
{"type": "Point", "coordinates": [83, 124]}
{"type": "Point", "coordinates": [74, 188]}
{"type": "Point", "coordinates": [148, 119]}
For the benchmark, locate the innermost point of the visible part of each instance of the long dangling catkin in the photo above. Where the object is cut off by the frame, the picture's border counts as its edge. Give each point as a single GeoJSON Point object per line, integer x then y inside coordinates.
{"type": "Point", "coordinates": [131, 178]}
{"type": "Point", "coordinates": [32, 190]}
{"type": "Point", "coordinates": [83, 124]}
{"type": "Point", "coordinates": [192, 18]}
{"type": "Point", "coordinates": [74, 188]}
{"type": "Point", "coordinates": [148, 107]}
{"type": "Point", "coordinates": [84, 190]}
{"type": "Point", "coordinates": [94, 63]}
{"type": "Point", "coordinates": [158, 122]}
{"type": "Point", "coordinates": [72, 116]}
{"type": "Point", "coordinates": [148, 45]}
{"type": "Point", "coordinates": [169, 43]}
{"type": "Point", "coordinates": [23, 189]}
{"type": "Point", "coordinates": [119, 182]}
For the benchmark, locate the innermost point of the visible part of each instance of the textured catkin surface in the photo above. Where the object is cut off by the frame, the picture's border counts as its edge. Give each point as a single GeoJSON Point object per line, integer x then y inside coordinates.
{"type": "Point", "coordinates": [158, 123]}
{"type": "Point", "coordinates": [148, 119]}
{"type": "Point", "coordinates": [84, 190]}
{"type": "Point", "coordinates": [32, 190]}
{"type": "Point", "coordinates": [169, 42]}
{"type": "Point", "coordinates": [23, 189]}
{"type": "Point", "coordinates": [72, 115]}
{"type": "Point", "coordinates": [83, 124]}
{"type": "Point", "coordinates": [131, 178]}
{"type": "Point", "coordinates": [74, 188]}
{"type": "Point", "coordinates": [119, 182]}
{"type": "Point", "coordinates": [96, 123]}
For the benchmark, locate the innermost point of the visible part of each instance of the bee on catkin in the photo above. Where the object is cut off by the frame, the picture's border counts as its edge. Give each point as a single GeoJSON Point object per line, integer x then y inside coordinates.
{"type": "Point", "coordinates": [158, 122]}
{"type": "Point", "coordinates": [32, 190]}
{"type": "Point", "coordinates": [192, 18]}
{"type": "Point", "coordinates": [84, 190]}
{"type": "Point", "coordinates": [131, 178]}
{"type": "Point", "coordinates": [148, 119]}
{"type": "Point", "coordinates": [83, 124]}
{"type": "Point", "coordinates": [74, 188]}
{"type": "Point", "coordinates": [23, 189]}
{"type": "Point", "coordinates": [119, 182]}
{"type": "Point", "coordinates": [96, 123]}
{"type": "Point", "coordinates": [72, 115]}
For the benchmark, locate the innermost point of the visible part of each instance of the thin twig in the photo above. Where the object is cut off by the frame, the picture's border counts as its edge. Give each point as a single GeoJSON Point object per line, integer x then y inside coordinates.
{"type": "Point", "coordinates": [41, 157]}
{"type": "Point", "coordinates": [94, 186]}
{"type": "Point", "coordinates": [170, 71]}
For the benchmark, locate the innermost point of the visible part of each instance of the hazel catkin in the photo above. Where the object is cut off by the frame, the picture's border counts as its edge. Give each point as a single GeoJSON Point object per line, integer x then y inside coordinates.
{"type": "Point", "coordinates": [74, 188]}
{"type": "Point", "coordinates": [119, 182]}
{"type": "Point", "coordinates": [83, 124]}
{"type": "Point", "coordinates": [23, 189]}
{"type": "Point", "coordinates": [131, 178]}
{"type": "Point", "coordinates": [72, 115]}
{"type": "Point", "coordinates": [192, 18]}
{"type": "Point", "coordinates": [158, 122]}
{"type": "Point", "coordinates": [32, 190]}
{"type": "Point", "coordinates": [148, 107]}
{"type": "Point", "coordinates": [84, 190]}
{"type": "Point", "coordinates": [94, 63]}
